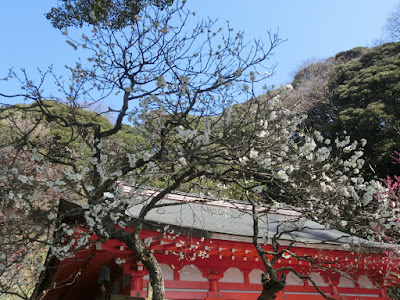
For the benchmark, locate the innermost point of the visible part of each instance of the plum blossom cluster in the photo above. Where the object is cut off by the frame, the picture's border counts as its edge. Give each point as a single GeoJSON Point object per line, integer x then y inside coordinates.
{"type": "Point", "coordinates": [185, 134]}
{"type": "Point", "coordinates": [332, 188]}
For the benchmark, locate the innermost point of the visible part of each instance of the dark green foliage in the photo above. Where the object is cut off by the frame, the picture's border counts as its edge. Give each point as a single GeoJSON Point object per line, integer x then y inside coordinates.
{"type": "Point", "coordinates": [61, 130]}
{"type": "Point", "coordinates": [114, 13]}
{"type": "Point", "coordinates": [61, 123]}
{"type": "Point", "coordinates": [357, 93]}
{"type": "Point", "coordinates": [365, 96]}
{"type": "Point", "coordinates": [345, 56]}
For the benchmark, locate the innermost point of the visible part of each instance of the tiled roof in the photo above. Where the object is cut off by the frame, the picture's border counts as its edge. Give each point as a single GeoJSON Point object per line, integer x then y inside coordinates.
{"type": "Point", "coordinates": [234, 220]}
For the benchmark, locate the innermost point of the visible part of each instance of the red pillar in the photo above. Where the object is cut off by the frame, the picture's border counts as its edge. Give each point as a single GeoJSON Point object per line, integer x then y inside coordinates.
{"type": "Point", "coordinates": [213, 278]}
{"type": "Point", "coordinates": [136, 284]}
{"type": "Point", "coordinates": [333, 279]}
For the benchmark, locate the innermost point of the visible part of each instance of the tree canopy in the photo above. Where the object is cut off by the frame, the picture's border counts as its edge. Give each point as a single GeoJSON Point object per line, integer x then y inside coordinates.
{"type": "Point", "coordinates": [113, 13]}
{"type": "Point", "coordinates": [357, 94]}
{"type": "Point", "coordinates": [366, 96]}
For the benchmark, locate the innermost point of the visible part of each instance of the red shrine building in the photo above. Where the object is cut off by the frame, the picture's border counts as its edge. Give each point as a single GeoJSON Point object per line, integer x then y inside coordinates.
{"type": "Point", "coordinates": [205, 250]}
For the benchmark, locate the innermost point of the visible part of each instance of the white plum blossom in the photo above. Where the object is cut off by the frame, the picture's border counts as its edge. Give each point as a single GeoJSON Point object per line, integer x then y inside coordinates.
{"type": "Point", "coordinates": [284, 147]}
{"type": "Point", "coordinates": [264, 124]}
{"type": "Point", "coordinates": [184, 79]}
{"type": "Point", "coordinates": [363, 142]}
{"type": "Point", "coordinates": [274, 103]}
{"type": "Point", "coordinates": [243, 160]}
{"type": "Point", "coordinates": [160, 82]}
{"type": "Point", "coordinates": [287, 87]}
{"type": "Point", "coordinates": [132, 159]}
{"type": "Point", "coordinates": [185, 134]}
{"type": "Point", "coordinates": [253, 154]}
{"type": "Point", "coordinates": [23, 178]}
{"type": "Point", "coordinates": [164, 30]}
{"type": "Point", "coordinates": [267, 162]}
{"type": "Point", "coordinates": [273, 116]}
{"type": "Point", "coordinates": [120, 261]}
{"type": "Point", "coordinates": [318, 136]}
{"type": "Point", "coordinates": [322, 154]}
{"type": "Point", "coordinates": [146, 155]}
{"type": "Point", "coordinates": [281, 174]}
{"type": "Point", "coordinates": [252, 76]}
{"type": "Point", "coordinates": [51, 215]}
{"type": "Point", "coordinates": [262, 134]}
{"type": "Point", "coordinates": [182, 161]}
{"type": "Point", "coordinates": [238, 72]}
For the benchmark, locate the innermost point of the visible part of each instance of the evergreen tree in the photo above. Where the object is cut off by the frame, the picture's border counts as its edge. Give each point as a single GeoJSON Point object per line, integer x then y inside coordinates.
{"type": "Point", "coordinates": [357, 93]}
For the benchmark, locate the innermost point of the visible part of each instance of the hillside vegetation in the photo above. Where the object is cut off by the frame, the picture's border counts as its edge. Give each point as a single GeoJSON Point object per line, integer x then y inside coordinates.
{"type": "Point", "coordinates": [356, 93]}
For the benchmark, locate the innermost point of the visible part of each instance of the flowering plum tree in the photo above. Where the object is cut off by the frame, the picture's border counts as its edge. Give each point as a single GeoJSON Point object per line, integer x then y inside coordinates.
{"type": "Point", "coordinates": [393, 183]}
{"type": "Point", "coordinates": [385, 225]}
{"type": "Point", "coordinates": [188, 92]}
{"type": "Point", "coordinates": [173, 83]}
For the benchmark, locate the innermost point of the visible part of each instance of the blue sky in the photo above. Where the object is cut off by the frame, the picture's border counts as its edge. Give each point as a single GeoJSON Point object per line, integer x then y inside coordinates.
{"type": "Point", "coordinates": [312, 28]}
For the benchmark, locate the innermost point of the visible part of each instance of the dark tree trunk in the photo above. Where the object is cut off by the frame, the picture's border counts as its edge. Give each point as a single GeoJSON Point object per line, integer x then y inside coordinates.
{"type": "Point", "coordinates": [151, 264]}
{"type": "Point", "coordinates": [270, 281]}
{"type": "Point", "coordinates": [149, 261]}
{"type": "Point", "coordinates": [270, 288]}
